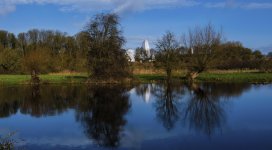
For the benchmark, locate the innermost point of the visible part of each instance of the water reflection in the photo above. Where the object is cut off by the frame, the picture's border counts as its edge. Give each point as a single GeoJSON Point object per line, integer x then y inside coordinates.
{"type": "Point", "coordinates": [204, 110]}
{"type": "Point", "coordinates": [168, 103]}
{"type": "Point", "coordinates": [37, 101]}
{"type": "Point", "coordinates": [99, 109]}
{"type": "Point", "coordinates": [201, 106]}
{"type": "Point", "coordinates": [102, 111]}
{"type": "Point", "coordinates": [144, 90]}
{"type": "Point", "coordinates": [103, 115]}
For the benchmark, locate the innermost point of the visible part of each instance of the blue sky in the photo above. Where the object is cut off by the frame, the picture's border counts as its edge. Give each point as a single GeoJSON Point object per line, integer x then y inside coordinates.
{"type": "Point", "coordinates": [248, 21]}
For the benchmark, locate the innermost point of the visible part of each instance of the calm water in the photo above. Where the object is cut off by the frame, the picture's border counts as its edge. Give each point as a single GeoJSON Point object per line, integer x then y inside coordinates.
{"type": "Point", "coordinates": [148, 116]}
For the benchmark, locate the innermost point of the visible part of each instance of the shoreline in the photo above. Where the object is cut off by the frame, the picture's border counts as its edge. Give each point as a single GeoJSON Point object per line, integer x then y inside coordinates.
{"type": "Point", "coordinates": [236, 77]}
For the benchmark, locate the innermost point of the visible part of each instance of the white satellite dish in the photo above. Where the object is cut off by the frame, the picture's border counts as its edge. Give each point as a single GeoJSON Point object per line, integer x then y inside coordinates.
{"type": "Point", "coordinates": [146, 47]}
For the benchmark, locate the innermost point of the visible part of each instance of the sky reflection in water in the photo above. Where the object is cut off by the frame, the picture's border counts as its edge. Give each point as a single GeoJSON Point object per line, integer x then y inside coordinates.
{"type": "Point", "coordinates": [147, 116]}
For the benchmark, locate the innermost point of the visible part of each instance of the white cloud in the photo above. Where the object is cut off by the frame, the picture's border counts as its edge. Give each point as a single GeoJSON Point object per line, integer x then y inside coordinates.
{"type": "Point", "coordinates": [93, 5]}
{"type": "Point", "coordinates": [215, 5]}
{"type": "Point", "coordinates": [5, 9]}
{"type": "Point", "coordinates": [223, 4]}
{"type": "Point", "coordinates": [122, 6]}
{"type": "Point", "coordinates": [258, 6]}
{"type": "Point", "coordinates": [236, 4]}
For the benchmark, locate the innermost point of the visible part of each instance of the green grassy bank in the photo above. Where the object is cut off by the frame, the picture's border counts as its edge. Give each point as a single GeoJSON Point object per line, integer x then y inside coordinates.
{"type": "Point", "coordinates": [246, 77]}
{"type": "Point", "coordinates": [242, 77]}
{"type": "Point", "coordinates": [45, 79]}
{"type": "Point", "coordinates": [250, 77]}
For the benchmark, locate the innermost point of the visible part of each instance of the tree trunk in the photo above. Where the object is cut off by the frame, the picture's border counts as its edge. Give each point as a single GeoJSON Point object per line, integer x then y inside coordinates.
{"type": "Point", "coordinates": [34, 77]}
{"type": "Point", "coordinates": [169, 74]}
{"type": "Point", "coordinates": [192, 75]}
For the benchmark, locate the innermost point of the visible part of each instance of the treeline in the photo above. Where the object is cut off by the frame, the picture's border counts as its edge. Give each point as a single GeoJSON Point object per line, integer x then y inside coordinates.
{"type": "Point", "coordinates": [98, 49]}
{"type": "Point", "coordinates": [44, 50]}
{"type": "Point", "coordinates": [201, 49]}
{"type": "Point", "coordinates": [230, 55]}
{"type": "Point", "coordinates": [233, 55]}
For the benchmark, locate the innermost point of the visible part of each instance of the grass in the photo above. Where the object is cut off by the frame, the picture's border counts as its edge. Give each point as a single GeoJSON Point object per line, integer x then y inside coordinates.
{"type": "Point", "coordinates": [77, 78]}
{"type": "Point", "coordinates": [248, 77]}
{"type": "Point", "coordinates": [14, 79]}
{"type": "Point", "coordinates": [59, 78]}
{"type": "Point", "coordinates": [49, 78]}
{"type": "Point", "coordinates": [149, 77]}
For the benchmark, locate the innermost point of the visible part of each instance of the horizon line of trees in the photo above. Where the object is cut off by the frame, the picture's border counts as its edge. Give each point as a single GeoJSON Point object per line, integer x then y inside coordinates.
{"type": "Point", "coordinates": [52, 51]}
{"type": "Point", "coordinates": [98, 49]}
{"type": "Point", "coordinates": [201, 49]}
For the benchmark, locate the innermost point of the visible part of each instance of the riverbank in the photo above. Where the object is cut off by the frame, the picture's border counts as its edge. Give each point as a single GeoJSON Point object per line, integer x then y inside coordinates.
{"type": "Point", "coordinates": [45, 79]}
{"type": "Point", "coordinates": [242, 77]}
{"type": "Point", "coordinates": [79, 78]}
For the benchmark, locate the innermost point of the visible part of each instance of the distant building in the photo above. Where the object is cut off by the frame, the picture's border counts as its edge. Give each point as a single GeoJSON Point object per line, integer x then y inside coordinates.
{"type": "Point", "coordinates": [131, 55]}
{"type": "Point", "coordinates": [145, 46]}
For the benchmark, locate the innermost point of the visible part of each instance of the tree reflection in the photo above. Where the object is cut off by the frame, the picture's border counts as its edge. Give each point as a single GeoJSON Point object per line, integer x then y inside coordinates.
{"type": "Point", "coordinates": [226, 90]}
{"type": "Point", "coordinates": [205, 108]}
{"type": "Point", "coordinates": [32, 102]}
{"type": "Point", "coordinates": [8, 104]}
{"type": "Point", "coordinates": [101, 109]}
{"type": "Point", "coordinates": [8, 108]}
{"type": "Point", "coordinates": [167, 104]}
{"type": "Point", "coordinates": [204, 111]}
{"type": "Point", "coordinates": [39, 101]}
{"type": "Point", "coordinates": [103, 118]}
{"type": "Point", "coordinates": [36, 100]}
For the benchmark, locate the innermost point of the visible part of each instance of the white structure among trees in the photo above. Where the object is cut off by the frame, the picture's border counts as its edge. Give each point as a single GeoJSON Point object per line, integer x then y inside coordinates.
{"type": "Point", "coordinates": [131, 55]}
{"type": "Point", "coordinates": [146, 47]}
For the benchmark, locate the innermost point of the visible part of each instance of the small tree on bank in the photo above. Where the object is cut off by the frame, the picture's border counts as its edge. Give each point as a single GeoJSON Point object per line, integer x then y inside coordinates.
{"type": "Point", "coordinates": [168, 53]}
{"type": "Point", "coordinates": [202, 44]}
{"type": "Point", "coordinates": [106, 59]}
{"type": "Point", "coordinates": [36, 61]}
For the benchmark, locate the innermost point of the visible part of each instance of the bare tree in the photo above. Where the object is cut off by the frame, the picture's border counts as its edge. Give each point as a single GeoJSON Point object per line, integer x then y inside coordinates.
{"type": "Point", "coordinates": [202, 44]}
{"type": "Point", "coordinates": [106, 58]}
{"type": "Point", "coordinates": [141, 55]}
{"type": "Point", "coordinates": [167, 56]}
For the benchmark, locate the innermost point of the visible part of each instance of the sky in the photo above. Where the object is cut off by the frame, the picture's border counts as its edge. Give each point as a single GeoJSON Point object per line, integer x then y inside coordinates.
{"type": "Point", "coordinates": [247, 21]}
